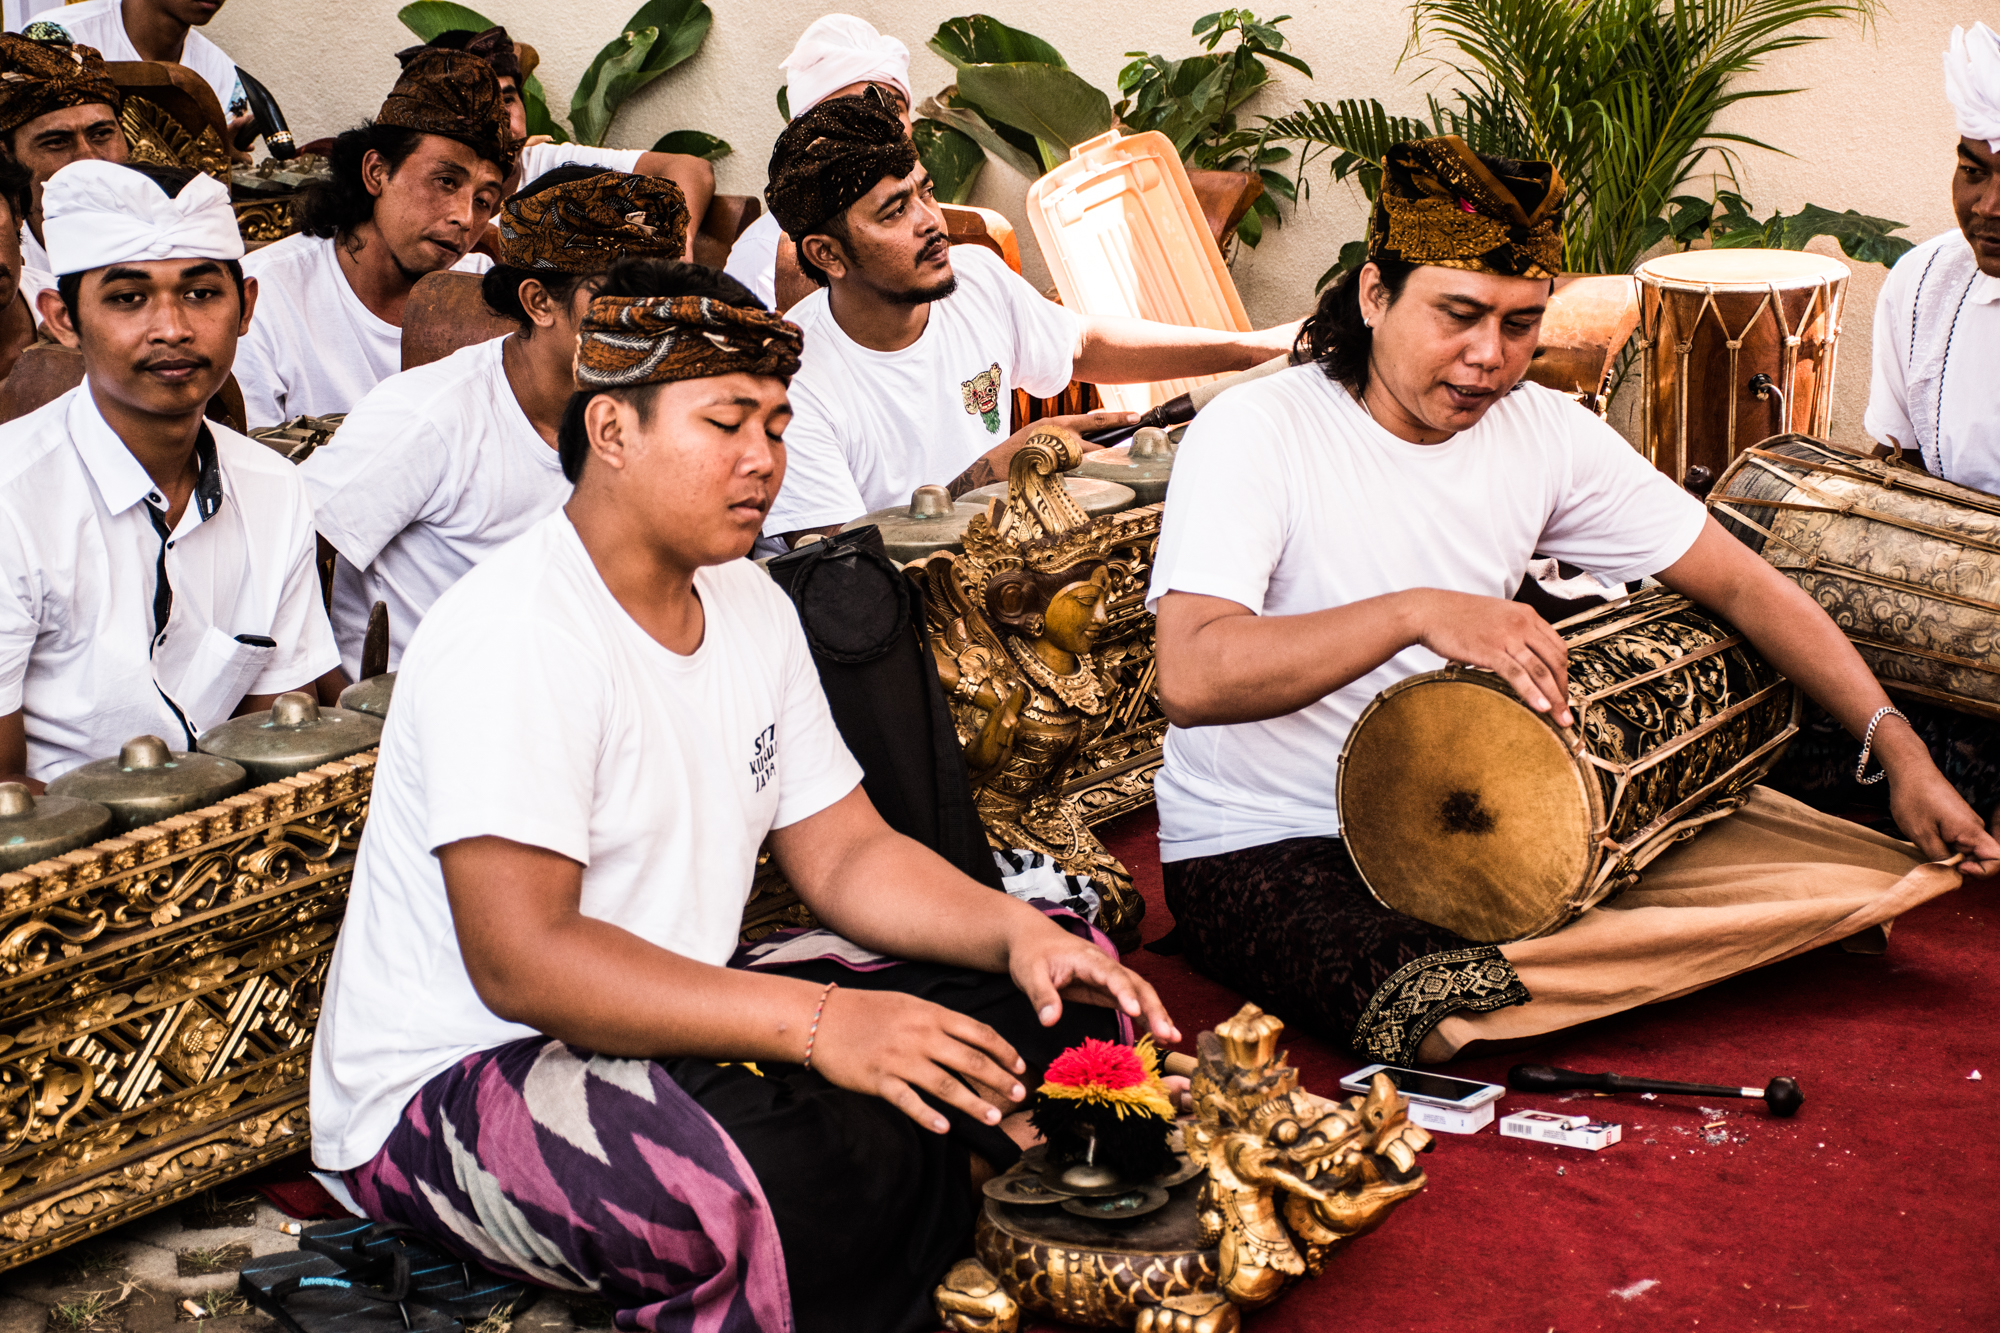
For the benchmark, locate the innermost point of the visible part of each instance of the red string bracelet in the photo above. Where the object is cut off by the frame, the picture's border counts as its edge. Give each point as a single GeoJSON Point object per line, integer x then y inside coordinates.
{"type": "Point", "coordinates": [812, 1033]}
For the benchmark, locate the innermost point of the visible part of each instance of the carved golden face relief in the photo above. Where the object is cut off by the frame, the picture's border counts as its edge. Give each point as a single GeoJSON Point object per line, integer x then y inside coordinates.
{"type": "Point", "coordinates": [1077, 615]}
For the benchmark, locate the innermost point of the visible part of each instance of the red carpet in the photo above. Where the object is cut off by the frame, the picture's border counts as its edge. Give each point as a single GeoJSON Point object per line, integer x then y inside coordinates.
{"type": "Point", "coordinates": [1875, 1209]}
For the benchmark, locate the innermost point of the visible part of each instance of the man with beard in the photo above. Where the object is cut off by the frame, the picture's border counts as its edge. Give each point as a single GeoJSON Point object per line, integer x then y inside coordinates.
{"type": "Point", "coordinates": [409, 194]}
{"type": "Point", "coordinates": [512, 63]}
{"type": "Point", "coordinates": [1936, 356]}
{"type": "Point", "coordinates": [442, 465]}
{"type": "Point", "coordinates": [57, 106]}
{"type": "Point", "coordinates": [839, 55]}
{"type": "Point", "coordinates": [156, 569]}
{"type": "Point", "coordinates": [913, 352]}
{"type": "Point", "coordinates": [156, 30]}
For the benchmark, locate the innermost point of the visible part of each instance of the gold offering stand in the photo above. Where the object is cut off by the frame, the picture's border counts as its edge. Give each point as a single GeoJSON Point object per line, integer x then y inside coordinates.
{"type": "Point", "coordinates": [158, 993]}
{"type": "Point", "coordinates": [1272, 1181]}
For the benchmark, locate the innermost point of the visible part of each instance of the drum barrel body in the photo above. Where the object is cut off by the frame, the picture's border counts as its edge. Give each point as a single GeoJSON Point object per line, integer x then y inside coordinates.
{"type": "Point", "coordinates": [1465, 808]}
{"type": "Point", "coordinates": [1710, 323]}
{"type": "Point", "coordinates": [1907, 564]}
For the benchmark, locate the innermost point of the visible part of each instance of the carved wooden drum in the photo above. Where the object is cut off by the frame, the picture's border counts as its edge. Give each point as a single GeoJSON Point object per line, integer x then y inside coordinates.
{"type": "Point", "coordinates": [1735, 346]}
{"type": "Point", "coordinates": [1465, 808]}
{"type": "Point", "coordinates": [1907, 564]}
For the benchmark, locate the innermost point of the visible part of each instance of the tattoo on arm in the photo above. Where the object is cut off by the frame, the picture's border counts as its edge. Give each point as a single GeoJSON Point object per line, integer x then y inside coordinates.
{"type": "Point", "coordinates": [981, 473]}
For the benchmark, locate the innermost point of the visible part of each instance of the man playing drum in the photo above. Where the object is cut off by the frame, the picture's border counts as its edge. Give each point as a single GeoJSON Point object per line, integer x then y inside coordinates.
{"type": "Point", "coordinates": [1936, 351]}
{"type": "Point", "coordinates": [1363, 516]}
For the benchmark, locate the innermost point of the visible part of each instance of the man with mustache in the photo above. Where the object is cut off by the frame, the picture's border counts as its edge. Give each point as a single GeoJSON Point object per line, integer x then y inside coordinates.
{"type": "Point", "coordinates": [57, 106]}
{"type": "Point", "coordinates": [156, 569]}
{"type": "Point", "coordinates": [913, 351]}
{"type": "Point", "coordinates": [1936, 355]}
{"type": "Point", "coordinates": [409, 194]}
{"type": "Point", "coordinates": [838, 55]}
{"type": "Point", "coordinates": [512, 63]}
{"type": "Point", "coordinates": [545, 912]}
{"type": "Point", "coordinates": [1366, 515]}
{"type": "Point", "coordinates": [444, 464]}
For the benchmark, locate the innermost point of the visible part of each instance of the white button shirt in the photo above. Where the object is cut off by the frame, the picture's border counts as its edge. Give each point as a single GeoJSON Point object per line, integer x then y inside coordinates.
{"type": "Point", "coordinates": [1968, 411]}
{"type": "Point", "coordinates": [80, 654]}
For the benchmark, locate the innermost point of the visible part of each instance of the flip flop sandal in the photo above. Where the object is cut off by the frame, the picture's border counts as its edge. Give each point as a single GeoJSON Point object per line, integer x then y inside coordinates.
{"type": "Point", "coordinates": [397, 1258]}
{"type": "Point", "coordinates": [310, 1293]}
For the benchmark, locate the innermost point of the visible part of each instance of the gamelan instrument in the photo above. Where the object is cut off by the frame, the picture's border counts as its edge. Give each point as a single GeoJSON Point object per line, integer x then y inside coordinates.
{"type": "Point", "coordinates": [1467, 809]}
{"type": "Point", "coordinates": [1735, 346]}
{"type": "Point", "coordinates": [1589, 319]}
{"type": "Point", "coordinates": [932, 521]}
{"type": "Point", "coordinates": [297, 734]}
{"type": "Point", "coordinates": [1094, 497]}
{"type": "Point", "coordinates": [1781, 1094]}
{"type": "Point", "coordinates": [35, 828]}
{"type": "Point", "coordinates": [1907, 564]}
{"type": "Point", "coordinates": [1144, 465]}
{"type": "Point", "coordinates": [147, 782]}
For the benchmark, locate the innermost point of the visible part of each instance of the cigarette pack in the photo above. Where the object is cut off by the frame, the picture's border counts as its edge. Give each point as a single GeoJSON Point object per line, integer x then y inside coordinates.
{"type": "Point", "coordinates": [1450, 1120]}
{"type": "Point", "coordinates": [1571, 1131]}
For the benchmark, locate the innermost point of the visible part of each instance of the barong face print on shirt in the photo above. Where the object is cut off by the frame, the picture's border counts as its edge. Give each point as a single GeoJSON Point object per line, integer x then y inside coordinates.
{"type": "Point", "coordinates": [982, 397]}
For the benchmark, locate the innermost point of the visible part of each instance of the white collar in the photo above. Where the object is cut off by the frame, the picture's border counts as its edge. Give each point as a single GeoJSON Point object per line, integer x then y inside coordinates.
{"type": "Point", "coordinates": [120, 479]}
{"type": "Point", "coordinates": [1985, 289]}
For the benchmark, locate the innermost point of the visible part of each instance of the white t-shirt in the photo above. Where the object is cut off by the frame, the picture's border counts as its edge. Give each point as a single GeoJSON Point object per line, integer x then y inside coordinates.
{"type": "Point", "coordinates": [79, 562]}
{"type": "Point", "coordinates": [35, 275]}
{"type": "Point", "coordinates": [1968, 424]}
{"type": "Point", "coordinates": [435, 470]}
{"type": "Point", "coordinates": [753, 260]}
{"type": "Point", "coordinates": [543, 157]}
{"type": "Point", "coordinates": [870, 427]}
{"type": "Point", "coordinates": [99, 23]}
{"type": "Point", "coordinates": [313, 348]}
{"type": "Point", "coordinates": [531, 707]}
{"type": "Point", "coordinates": [1287, 497]}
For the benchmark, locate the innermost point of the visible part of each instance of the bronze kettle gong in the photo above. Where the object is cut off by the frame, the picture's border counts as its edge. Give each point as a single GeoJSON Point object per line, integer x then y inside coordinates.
{"type": "Point", "coordinates": [147, 782]}
{"type": "Point", "coordinates": [297, 734]}
{"type": "Point", "coordinates": [35, 828]}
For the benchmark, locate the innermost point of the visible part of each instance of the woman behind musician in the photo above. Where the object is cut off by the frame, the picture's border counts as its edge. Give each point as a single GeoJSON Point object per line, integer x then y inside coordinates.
{"type": "Point", "coordinates": [1365, 516]}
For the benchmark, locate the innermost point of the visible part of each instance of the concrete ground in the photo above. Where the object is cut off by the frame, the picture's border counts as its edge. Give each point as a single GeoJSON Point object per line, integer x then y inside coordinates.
{"type": "Point", "coordinates": [135, 1278]}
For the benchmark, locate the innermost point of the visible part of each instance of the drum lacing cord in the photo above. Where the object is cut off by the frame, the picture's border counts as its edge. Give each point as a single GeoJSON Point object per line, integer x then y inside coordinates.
{"type": "Point", "coordinates": [1856, 505]}
{"type": "Point", "coordinates": [1623, 771]}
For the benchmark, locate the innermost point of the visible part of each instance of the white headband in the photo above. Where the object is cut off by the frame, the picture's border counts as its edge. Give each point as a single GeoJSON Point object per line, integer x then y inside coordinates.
{"type": "Point", "coordinates": [840, 50]}
{"type": "Point", "coordinates": [1972, 83]}
{"type": "Point", "coordinates": [96, 214]}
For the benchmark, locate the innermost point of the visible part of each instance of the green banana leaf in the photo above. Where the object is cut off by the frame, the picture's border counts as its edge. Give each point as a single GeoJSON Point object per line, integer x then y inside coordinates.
{"type": "Point", "coordinates": [978, 39]}
{"type": "Point", "coordinates": [953, 158]}
{"type": "Point", "coordinates": [428, 18]}
{"type": "Point", "coordinates": [659, 35]}
{"type": "Point", "coordinates": [784, 102]}
{"type": "Point", "coordinates": [1047, 101]}
{"type": "Point", "coordinates": [947, 109]}
{"type": "Point", "coordinates": [1861, 237]}
{"type": "Point", "coordinates": [693, 143]}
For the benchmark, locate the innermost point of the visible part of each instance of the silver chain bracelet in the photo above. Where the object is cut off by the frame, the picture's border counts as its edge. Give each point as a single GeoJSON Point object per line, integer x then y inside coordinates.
{"type": "Point", "coordinates": [1868, 744]}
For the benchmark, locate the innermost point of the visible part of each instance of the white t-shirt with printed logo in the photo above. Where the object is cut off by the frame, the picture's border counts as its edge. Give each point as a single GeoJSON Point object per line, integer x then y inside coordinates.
{"type": "Point", "coordinates": [1288, 498]}
{"type": "Point", "coordinates": [870, 427]}
{"type": "Point", "coordinates": [531, 707]}
{"type": "Point", "coordinates": [435, 470]}
{"type": "Point", "coordinates": [314, 348]}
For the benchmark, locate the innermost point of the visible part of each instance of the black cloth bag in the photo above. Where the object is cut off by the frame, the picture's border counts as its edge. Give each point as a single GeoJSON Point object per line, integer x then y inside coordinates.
{"type": "Point", "coordinates": [864, 620]}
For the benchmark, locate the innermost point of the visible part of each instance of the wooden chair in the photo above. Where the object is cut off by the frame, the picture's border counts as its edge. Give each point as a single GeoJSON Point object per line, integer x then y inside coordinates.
{"type": "Point", "coordinates": [444, 313]}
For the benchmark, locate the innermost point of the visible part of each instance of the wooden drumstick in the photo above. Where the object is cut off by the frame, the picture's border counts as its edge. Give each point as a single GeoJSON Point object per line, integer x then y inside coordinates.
{"type": "Point", "coordinates": [1176, 1063]}
{"type": "Point", "coordinates": [1782, 1095]}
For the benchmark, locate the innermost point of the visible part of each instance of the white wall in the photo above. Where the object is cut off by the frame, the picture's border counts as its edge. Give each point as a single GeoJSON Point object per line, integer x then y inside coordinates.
{"type": "Point", "coordinates": [1871, 132]}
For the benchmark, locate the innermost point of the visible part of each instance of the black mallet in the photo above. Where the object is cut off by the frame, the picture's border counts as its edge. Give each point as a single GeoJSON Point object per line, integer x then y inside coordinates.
{"type": "Point", "coordinates": [1782, 1095]}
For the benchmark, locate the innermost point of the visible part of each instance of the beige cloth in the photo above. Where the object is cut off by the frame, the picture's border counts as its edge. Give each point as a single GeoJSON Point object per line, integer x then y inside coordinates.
{"type": "Point", "coordinates": [1774, 879]}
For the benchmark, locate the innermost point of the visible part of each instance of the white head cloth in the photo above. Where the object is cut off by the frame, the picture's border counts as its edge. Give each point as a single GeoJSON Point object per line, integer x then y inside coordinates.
{"type": "Point", "coordinates": [96, 214]}
{"type": "Point", "coordinates": [839, 50]}
{"type": "Point", "coordinates": [1972, 83]}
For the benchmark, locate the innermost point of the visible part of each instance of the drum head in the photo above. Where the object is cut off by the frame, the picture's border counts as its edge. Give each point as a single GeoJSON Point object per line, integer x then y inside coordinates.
{"type": "Point", "coordinates": [1462, 808]}
{"type": "Point", "coordinates": [1744, 268]}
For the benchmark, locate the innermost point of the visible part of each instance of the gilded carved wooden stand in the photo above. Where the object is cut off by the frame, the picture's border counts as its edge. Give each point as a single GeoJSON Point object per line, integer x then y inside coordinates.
{"type": "Point", "coordinates": [158, 994]}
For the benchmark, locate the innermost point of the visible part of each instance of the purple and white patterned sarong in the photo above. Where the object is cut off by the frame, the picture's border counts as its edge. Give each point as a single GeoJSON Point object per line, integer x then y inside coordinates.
{"type": "Point", "coordinates": [703, 1198]}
